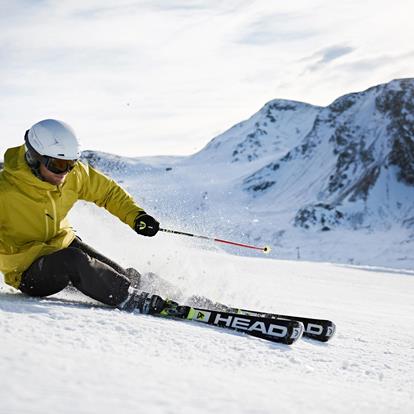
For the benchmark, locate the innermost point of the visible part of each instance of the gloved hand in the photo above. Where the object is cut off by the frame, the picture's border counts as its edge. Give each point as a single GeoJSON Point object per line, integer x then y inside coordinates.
{"type": "Point", "coordinates": [146, 225]}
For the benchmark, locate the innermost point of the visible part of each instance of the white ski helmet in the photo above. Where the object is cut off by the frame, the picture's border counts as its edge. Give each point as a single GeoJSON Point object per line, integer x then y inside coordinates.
{"type": "Point", "coordinates": [54, 139]}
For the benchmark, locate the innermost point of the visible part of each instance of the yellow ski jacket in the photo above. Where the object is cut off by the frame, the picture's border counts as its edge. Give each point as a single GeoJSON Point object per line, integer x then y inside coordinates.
{"type": "Point", "coordinates": [33, 212]}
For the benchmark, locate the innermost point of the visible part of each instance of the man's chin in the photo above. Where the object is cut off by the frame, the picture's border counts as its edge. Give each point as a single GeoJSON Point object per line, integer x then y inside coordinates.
{"type": "Point", "coordinates": [57, 180]}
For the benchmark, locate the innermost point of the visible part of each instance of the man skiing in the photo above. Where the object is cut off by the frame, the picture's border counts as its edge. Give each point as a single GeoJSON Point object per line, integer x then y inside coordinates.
{"type": "Point", "coordinates": [39, 251]}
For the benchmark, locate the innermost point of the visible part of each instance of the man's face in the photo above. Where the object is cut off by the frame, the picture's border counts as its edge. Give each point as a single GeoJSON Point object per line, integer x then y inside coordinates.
{"type": "Point", "coordinates": [52, 178]}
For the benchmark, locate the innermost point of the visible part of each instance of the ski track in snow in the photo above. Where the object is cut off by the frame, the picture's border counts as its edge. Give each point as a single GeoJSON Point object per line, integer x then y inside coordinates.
{"type": "Point", "coordinates": [67, 354]}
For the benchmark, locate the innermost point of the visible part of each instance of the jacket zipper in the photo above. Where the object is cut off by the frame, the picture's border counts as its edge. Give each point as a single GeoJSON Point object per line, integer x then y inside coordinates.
{"type": "Point", "coordinates": [47, 225]}
{"type": "Point", "coordinates": [54, 209]}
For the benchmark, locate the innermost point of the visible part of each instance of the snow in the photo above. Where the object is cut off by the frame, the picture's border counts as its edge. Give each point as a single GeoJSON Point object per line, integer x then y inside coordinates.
{"type": "Point", "coordinates": [67, 354]}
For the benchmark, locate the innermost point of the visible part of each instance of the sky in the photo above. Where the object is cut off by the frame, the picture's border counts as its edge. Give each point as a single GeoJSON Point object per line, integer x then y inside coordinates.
{"type": "Point", "coordinates": [164, 77]}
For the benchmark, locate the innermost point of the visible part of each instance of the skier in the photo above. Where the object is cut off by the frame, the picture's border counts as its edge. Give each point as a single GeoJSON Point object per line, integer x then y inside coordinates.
{"type": "Point", "coordinates": [39, 251]}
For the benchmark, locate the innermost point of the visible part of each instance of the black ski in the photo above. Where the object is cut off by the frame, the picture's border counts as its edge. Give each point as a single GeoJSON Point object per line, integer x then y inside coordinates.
{"type": "Point", "coordinates": [280, 331]}
{"type": "Point", "coordinates": [319, 329]}
{"type": "Point", "coordinates": [272, 327]}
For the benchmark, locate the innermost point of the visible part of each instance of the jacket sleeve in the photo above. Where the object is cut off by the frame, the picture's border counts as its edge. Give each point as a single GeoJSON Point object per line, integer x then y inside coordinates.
{"type": "Point", "coordinates": [105, 192]}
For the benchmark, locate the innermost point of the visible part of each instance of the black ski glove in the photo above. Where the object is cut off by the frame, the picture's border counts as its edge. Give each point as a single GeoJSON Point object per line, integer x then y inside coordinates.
{"type": "Point", "coordinates": [146, 225]}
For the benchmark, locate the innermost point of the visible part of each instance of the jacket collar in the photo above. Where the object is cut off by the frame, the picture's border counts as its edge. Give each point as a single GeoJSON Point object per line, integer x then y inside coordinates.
{"type": "Point", "coordinates": [18, 171]}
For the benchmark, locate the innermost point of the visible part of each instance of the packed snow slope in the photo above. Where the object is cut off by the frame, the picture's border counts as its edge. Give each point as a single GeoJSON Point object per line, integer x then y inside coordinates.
{"type": "Point", "coordinates": [327, 184]}
{"type": "Point", "coordinates": [66, 354]}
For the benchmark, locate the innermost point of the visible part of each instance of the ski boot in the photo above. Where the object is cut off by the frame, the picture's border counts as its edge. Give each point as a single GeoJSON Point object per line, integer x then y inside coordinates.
{"type": "Point", "coordinates": [148, 304]}
{"type": "Point", "coordinates": [143, 302]}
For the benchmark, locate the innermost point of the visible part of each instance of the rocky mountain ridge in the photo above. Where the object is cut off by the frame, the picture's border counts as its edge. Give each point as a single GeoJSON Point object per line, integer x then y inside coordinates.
{"type": "Point", "coordinates": [360, 145]}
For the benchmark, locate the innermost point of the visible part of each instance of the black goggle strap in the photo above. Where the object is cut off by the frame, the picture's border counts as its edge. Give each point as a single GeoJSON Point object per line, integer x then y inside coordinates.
{"type": "Point", "coordinates": [32, 151]}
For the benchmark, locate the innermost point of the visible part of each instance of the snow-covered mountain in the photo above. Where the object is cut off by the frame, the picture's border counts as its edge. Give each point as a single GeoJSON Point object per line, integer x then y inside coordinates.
{"type": "Point", "coordinates": [317, 183]}
{"type": "Point", "coordinates": [355, 166]}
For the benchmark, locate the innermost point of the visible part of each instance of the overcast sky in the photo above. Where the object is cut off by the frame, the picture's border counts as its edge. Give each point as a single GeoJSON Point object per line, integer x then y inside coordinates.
{"type": "Point", "coordinates": [165, 76]}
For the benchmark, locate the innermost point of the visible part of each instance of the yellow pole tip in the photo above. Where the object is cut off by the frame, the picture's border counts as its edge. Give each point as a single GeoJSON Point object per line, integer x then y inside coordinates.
{"type": "Point", "coordinates": [267, 249]}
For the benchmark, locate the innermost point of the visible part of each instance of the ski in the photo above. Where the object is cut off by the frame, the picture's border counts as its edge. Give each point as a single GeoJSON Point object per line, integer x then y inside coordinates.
{"type": "Point", "coordinates": [280, 331]}
{"type": "Point", "coordinates": [319, 329]}
{"type": "Point", "coordinates": [273, 327]}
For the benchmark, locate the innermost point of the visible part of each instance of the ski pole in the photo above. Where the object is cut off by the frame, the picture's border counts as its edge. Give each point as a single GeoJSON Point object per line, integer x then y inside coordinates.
{"type": "Point", "coordinates": [265, 249]}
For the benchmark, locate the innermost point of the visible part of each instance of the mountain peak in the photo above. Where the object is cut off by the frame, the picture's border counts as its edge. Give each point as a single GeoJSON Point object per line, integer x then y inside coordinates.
{"type": "Point", "coordinates": [276, 127]}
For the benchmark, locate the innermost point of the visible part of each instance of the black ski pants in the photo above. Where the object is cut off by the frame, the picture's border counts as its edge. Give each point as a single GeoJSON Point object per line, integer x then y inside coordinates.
{"type": "Point", "coordinates": [89, 271]}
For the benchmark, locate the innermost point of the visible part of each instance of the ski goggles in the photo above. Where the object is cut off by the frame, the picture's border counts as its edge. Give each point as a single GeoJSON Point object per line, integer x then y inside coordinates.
{"type": "Point", "coordinates": [58, 166]}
